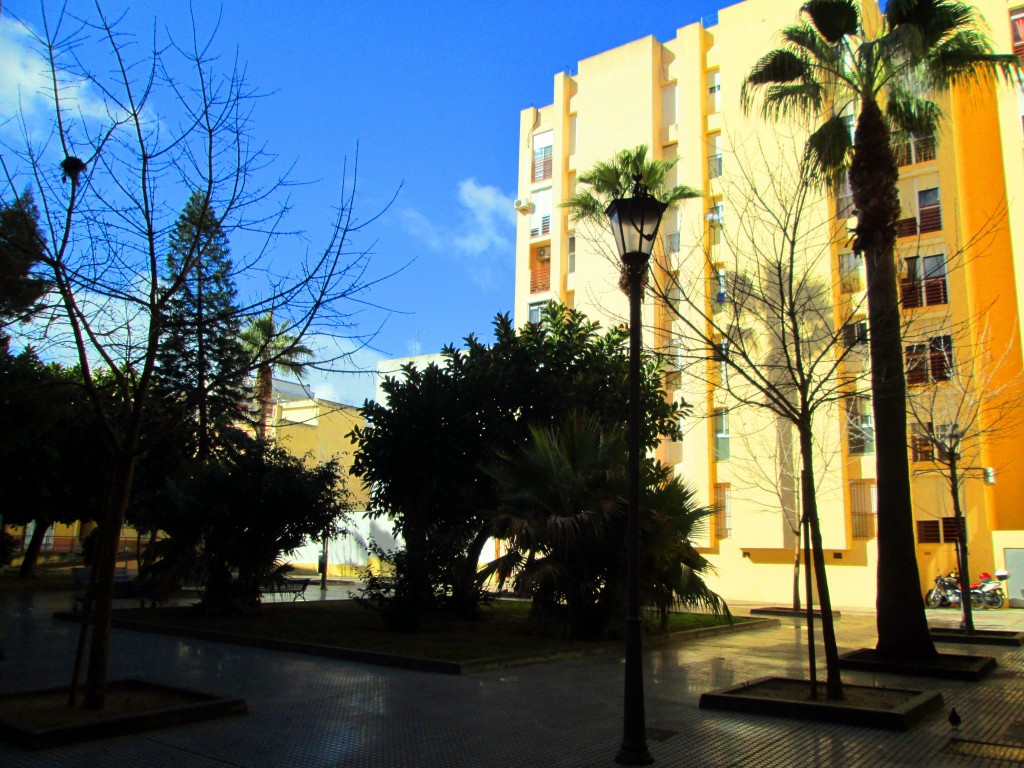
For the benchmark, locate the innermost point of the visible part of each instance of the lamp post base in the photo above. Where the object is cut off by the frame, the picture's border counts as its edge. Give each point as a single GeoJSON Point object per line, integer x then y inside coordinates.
{"type": "Point", "coordinates": [633, 754]}
{"type": "Point", "coordinates": [633, 750]}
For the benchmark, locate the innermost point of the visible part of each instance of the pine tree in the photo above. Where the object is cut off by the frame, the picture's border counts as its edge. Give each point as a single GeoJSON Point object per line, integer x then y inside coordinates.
{"type": "Point", "coordinates": [201, 361]}
{"type": "Point", "coordinates": [21, 249]}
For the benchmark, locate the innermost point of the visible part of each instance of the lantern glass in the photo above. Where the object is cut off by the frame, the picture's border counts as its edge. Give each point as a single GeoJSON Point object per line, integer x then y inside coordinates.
{"type": "Point", "coordinates": [635, 222]}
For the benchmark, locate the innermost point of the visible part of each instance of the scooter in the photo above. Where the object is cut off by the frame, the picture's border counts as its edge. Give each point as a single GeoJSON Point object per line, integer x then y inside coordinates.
{"type": "Point", "coordinates": [992, 588]}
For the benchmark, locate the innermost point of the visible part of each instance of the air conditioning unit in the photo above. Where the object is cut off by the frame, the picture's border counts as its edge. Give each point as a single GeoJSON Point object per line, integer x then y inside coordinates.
{"type": "Point", "coordinates": [522, 204]}
{"type": "Point", "coordinates": [543, 254]}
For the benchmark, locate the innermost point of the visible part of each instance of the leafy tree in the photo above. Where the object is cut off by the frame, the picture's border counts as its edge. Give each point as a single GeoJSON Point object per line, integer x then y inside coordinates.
{"type": "Point", "coordinates": [56, 460]}
{"type": "Point", "coordinates": [833, 67]}
{"type": "Point", "coordinates": [422, 453]}
{"type": "Point", "coordinates": [21, 251]}
{"type": "Point", "coordinates": [562, 517]}
{"type": "Point", "coordinates": [201, 362]}
{"type": "Point", "coordinates": [229, 522]}
{"type": "Point", "coordinates": [271, 346]}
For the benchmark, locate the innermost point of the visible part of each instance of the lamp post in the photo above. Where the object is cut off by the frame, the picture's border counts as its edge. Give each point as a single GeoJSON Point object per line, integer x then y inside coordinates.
{"type": "Point", "coordinates": [634, 221]}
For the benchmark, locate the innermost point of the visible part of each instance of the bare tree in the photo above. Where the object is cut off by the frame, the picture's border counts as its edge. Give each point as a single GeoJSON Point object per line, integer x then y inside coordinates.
{"type": "Point", "coordinates": [135, 129]}
{"type": "Point", "coordinates": [961, 395]}
{"type": "Point", "coordinates": [753, 311]}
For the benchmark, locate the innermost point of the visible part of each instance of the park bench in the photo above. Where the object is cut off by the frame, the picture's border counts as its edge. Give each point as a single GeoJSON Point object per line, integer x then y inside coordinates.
{"type": "Point", "coordinates": [294, 587]}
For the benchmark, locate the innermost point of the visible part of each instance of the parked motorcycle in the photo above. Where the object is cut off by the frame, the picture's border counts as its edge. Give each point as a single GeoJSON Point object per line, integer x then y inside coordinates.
{"type": "Point", "coordinates": [992, 588]}
{"type": "Point", "coordinates": [947, 593]}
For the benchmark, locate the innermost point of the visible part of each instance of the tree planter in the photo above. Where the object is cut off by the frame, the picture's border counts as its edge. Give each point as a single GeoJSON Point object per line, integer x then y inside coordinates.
{"type": "Point", "coordinates": [888, 708]}
{"type": "Point", "coordinates": [781, 610]}
{"type": "Point", "coordinates": [39, 719]}
{"type": "Point", "coordinates": [979, 636]}
{"type": "Point", "coordinates": [946, 666]}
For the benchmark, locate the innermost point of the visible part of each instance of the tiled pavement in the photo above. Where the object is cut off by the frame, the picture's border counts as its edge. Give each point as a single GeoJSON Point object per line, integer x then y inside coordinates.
{"type": "Point", "coordinates": [308, 711]}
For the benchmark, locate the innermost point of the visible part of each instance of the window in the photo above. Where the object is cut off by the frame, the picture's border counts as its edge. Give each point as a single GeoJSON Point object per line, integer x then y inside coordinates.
{"type": "Point", "coordinates": [1017, 30]}
{"type": "Point", "coordinates": [860, 426]}
{"type": "Point", "coordinates": [855, 333]}
{"type": "Point", "coordinates": [572, 254]}
{"type": "Point", "coordinates": [942, 531]}
{"type": "Point", "coordinates": [929, 210]}
{"type": "Point", "coordinates": [723, 510]}
{"type": "Point", "coordinates": [928, 532]}
{"type": "Point", "coordinates": [851, 272]}
{"type": "Point", "coordinates": [719, 288]}
{"type": "Point", "coordinates": [863, 506]}
{"type": "Point", "coordinates": [714, 92]}
{"type": "Point", "coordinates": [668, 105]}
{"type": "Point", "coordinates": [674, 295]}
{"type": "Point", "coordinates": [720, 426]}
{"type": "Point", "coordinates": [540, 219]}
{"type": "Point", "coordinates": [844, 199]}
{"type": "Point", "coordinates": [672, 242]}
{"type": "Point", "coordinates": [720, 354]}
{"type": "Point", "coordinates": [714, 155]}
{"type": "Point", "coordinates": [927, 286]}
{"type": "Point", "coordinates": [542, 165]}
{"type": "Point", "coordinates": [921, 446]}
{"type": "Point", "coordinates": [930, 362]}
{"type": "Point", "coordinates": [535, 311]}
{"type": "Point", "coordinates": [715, 219]}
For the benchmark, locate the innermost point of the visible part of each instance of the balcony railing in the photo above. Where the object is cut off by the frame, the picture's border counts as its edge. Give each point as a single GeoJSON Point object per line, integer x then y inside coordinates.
{"type": "Point", "coordinates": [863, 525]}
{"type": "Point", "coordinates": [919, 149]}
{"type": "Point", "coordinates": [540, 277]}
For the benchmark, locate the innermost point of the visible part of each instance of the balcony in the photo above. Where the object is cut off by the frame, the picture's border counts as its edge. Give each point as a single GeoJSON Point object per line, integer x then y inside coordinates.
{"type": "Point", "coordinates": [919, 149]}
{"type": "Point", "coordinates": [540, 277]}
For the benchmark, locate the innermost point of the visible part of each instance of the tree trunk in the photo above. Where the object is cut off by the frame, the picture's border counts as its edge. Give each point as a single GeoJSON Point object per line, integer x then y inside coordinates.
{"type": "Point", "coordinates": [961, 546]}
{"type": "Point", "coordinates": [106, 565]}
{"type": "Point", "coordinates": [833, 682]}
{"type": "Point", "coordinates": [31, 558]}
{"type": "Point", "coordinates": [264, 390]}
{"type": "Point", "coordinates": [796, 574]}
{"type": "Point", "coordinates": [901, 621]}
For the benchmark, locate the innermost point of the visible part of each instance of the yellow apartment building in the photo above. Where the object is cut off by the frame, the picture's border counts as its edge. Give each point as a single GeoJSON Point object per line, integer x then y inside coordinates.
{"type": "Point", "coordinates": [308, 426]}
{"type": "Point", "coordinates": [961, 249]}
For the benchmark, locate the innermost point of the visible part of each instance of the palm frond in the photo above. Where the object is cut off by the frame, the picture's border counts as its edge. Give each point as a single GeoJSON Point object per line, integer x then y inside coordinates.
{"type": "Point", "coordinates": [792, 99]}
{"type": "Point", "coordinates": [829, 150]}
{"type": "Point", "coordinates": [834, 19]}
{"type": "Point", "coordinates": [908, 112]}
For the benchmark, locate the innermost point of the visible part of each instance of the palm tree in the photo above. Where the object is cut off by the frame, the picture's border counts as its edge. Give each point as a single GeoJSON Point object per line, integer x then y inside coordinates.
{"type": "Point", "coordinates": [562, 518]}
{"type": "Point", "coordinates": [607, 181]}
{"type": "Point", "coordinates": [834, 67]}
{"type": "Point", "coordinates": [271, 347]}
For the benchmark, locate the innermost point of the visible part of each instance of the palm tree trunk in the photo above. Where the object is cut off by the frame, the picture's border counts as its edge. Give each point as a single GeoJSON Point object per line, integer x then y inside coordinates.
{"type": "Point", "coordinates": [263, 391]}
{"type": "Point", "coordinates": [902, 626]}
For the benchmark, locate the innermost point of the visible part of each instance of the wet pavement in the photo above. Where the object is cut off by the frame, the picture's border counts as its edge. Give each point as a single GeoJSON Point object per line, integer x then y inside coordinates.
{"type": "Point", "coordinates": [310, 711]}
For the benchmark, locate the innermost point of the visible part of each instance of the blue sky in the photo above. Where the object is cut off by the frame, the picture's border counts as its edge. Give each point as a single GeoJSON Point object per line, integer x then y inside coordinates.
{"type": "Point", "coordinates": [431, 93]}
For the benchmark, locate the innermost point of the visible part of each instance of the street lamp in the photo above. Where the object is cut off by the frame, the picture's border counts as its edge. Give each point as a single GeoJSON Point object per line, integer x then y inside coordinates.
{"type": "Point", "coordinates": [634, 222]}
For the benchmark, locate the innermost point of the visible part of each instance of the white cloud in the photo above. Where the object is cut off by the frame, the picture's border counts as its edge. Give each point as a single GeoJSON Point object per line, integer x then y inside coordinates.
{"type": "Point", "coordinates": [25, 81]}
{"type": "Point", "coordinates": [482, 235]}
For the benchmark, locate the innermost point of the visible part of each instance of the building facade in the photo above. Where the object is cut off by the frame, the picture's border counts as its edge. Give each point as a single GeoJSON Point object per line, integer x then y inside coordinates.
{"type": "Point", "coordinates": [961, 255]}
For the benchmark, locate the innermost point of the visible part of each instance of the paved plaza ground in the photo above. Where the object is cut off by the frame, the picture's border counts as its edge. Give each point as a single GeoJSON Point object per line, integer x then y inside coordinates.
{"type": "Point", "coordinates": [316, 712]}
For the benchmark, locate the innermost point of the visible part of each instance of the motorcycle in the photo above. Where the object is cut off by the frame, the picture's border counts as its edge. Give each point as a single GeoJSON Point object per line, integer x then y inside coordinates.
{"type": "Point", "coordinates": [992, 588]}
{"type": "Point", "coordinates": [947, 593]}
